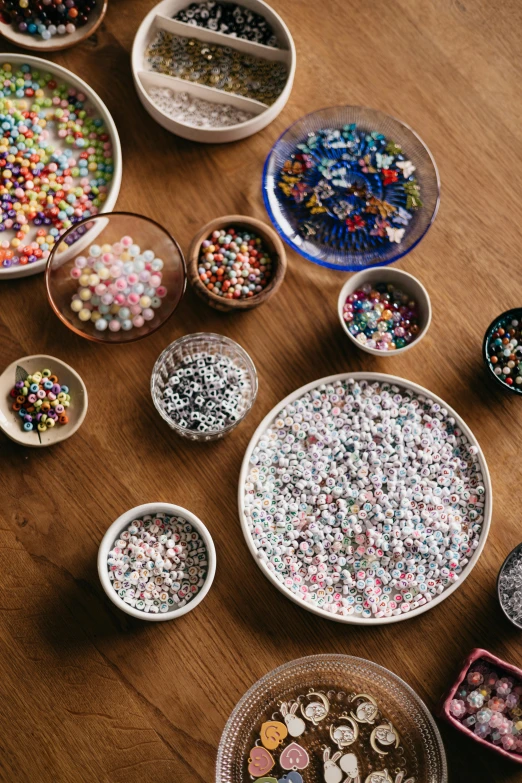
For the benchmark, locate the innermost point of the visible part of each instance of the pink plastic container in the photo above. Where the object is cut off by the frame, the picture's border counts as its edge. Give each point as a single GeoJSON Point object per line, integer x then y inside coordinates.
{"type": "Point", "coordinates": [444, 709]}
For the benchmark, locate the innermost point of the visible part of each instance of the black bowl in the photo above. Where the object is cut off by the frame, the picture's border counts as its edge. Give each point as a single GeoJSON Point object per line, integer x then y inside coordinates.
{"type": "Point", "coordinates": [516, 312]}
{"type": "Point", "coordinates": [513, 552]}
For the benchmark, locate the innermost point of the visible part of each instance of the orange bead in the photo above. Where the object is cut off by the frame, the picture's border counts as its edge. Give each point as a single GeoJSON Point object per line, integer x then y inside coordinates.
{"type": "Point", "coordinates": [62, 418]}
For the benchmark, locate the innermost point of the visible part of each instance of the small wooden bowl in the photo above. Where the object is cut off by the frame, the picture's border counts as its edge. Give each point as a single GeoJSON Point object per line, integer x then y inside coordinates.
{"type": "Point", "coordinates": [273, 244]}
{"type": "Point", "coordinates": [58, 42]}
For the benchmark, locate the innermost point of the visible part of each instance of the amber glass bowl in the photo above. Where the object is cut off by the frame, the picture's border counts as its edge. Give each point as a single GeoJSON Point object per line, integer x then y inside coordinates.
{"type": "Point", "coordinates": [107, 229]}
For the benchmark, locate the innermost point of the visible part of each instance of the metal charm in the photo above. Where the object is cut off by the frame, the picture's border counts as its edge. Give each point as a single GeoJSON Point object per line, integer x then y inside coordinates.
{"type": "Point", "coordinates": [316, 711]}
{"type": "Point", "coordinates": [386, 735]}
{"type": "Point", "coordinates": [260, 762]}
{"type": "Point", "coordinates": [294, 757]}
{"type": "Point", "coordinates": [346, 733]}
{"type": "Point", "coordinates": [272, 734]}
{"type": "Point", "coordinates": [350, 765]}
{"type": "Point", "coordinates": [291, 777]}
{"type": "Point", "coordinates": [385, 777]}
{"type": "Point", "coordinates": [366, 711]}
{"type": "Point", "coordinates": [294, 724]}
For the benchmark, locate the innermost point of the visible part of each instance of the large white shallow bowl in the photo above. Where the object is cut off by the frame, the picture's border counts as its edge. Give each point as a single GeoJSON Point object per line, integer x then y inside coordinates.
{"type": "Point", "coordinates": [160, 18]}
{"type": "Point", "coordinates": [371, 377]}
{"type": "Point", "coordinates": [64, 75]}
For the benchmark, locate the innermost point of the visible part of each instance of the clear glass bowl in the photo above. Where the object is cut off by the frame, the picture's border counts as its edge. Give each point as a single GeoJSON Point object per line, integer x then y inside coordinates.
{"type": "Point", "coordinates": [340, 677]}
{"type": "Point", "coordinates": [107, 229]}
{"type": "Point", "coordinates": [174, 354]}
{"type": "Point", "coordinates": [325, 237]}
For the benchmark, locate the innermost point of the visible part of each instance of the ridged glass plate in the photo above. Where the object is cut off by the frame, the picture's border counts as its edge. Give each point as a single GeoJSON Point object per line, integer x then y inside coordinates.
{"type": "Point", "coordinates": [342, 678]}
{"type": "Point", "coordinates": [362, 195]}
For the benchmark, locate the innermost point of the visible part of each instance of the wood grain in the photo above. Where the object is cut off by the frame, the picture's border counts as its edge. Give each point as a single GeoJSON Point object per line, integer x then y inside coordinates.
{"type": "Point", "coordinates": [88, 694]}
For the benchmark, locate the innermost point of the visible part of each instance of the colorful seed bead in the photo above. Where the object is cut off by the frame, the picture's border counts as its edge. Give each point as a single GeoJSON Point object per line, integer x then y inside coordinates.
{"type": "Point", "coordinates": [119, 286]}
{"type": "Point", "coordinates": [234, 264]}
{"type": "Point", "coordinates": [381, 316]}
{"type": "Point", "coordinates": [46, 18]}
{"type": "Point", "coordinates": [158, 563]}
{"type": "Point", "coordinates": [36, 401]}
{"type": "Point", "coordinates": [340, 517]}
{"type": "Point", "coordinates": [55, 162]}
{"type": "Point", "coordinates": [351, 189]}
{"type": "Point", "coordinates": [229, 19]}
{"type": "Point", "coordinates": [504, 351]}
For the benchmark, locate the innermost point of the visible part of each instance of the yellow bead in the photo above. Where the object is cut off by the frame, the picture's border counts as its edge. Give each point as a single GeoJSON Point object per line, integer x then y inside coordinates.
{"type": "Point", "coordinates": [83, 315]}
{"type": "Point", "coordinates": [85, 294]}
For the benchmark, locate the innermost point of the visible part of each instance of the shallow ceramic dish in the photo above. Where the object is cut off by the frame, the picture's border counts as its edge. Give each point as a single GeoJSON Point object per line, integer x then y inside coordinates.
{"type": "Point", "coordinates": [420, 756]}
{"type": "Point", "coordinates": [64, 75]}
{"type": "Point", "coordinates": [315, 220]}
{"type": "Point", "coordinates": [272, 243]}
{"type": "Point", "coordinates": [401, 280]}
{"type": "Point", "coordinates": [371, 377]}
{"type": "Point", "coordinates": [58, 42]}
{"type": "Point", "coordinates": [9, 419]}
{"type": "Point", "coordinates": [160, 18]}
{"type": "Point", "coordinates": [123, 522]}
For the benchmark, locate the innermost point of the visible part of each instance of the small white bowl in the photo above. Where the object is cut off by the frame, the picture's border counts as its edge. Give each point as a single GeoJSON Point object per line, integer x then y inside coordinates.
{"type": "Point", "coordinates": [160, 18]}
{"type": "Point", "coordinates": [403, 280]}
{"type": "Point", "coordinates": [121, 524]}
{"type": "Point", "coordinates": [9, 419]}
{"type": "Point", "coordinates": [58, 42]}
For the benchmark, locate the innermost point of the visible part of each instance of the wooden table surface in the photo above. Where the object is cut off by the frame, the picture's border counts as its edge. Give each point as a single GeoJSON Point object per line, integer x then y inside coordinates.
{"type": "Point", "coordinates": [89, 694]}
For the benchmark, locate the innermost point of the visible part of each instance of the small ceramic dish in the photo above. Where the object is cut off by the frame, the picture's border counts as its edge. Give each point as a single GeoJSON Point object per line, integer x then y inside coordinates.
{"type": "Point", "coordinates": [500, 320]}
{"type": "Point", "coordinates": [93, 104]}
{"type": "Point", "coordinates": [271, 241]}
{"type": "Point", "coordinates": [109, 228]}
{"type": "Point", "coordinates": [444, 708]}
{"type": "Point", "coordinates": [401, 280]}
{"type": "Point", "coordinates": [36, 43]}
{"type": "Point", "coordinates": [121, 524]}
{"type": "Point", "coordinates": [171, 359]}
{"type": "Point", "coordinates": [514, 552]}
{"type": "Point", "coordinates": [10, 422]}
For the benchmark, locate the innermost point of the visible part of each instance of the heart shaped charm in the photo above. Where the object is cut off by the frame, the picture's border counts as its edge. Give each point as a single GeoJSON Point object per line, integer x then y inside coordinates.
{"type": "Point", "coordinates": [272, 734]}
{"type": "Point", "coordinates": [260, 762]}
{"type": "Point", "coordinates": [294, 757]}
{"type": "Point", "coordinates": [291, 777]}
{"type": "Point", "coordinates": [267, 780]}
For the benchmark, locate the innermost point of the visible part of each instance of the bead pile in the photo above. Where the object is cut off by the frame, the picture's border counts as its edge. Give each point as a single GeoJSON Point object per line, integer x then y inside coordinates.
{"type": "Point", "coordinates": [158, 563]}
{"type": "Point", "coordinates": [196, 112]}
{"type": "Point", "coordinates": [119, 286]}
{"type": "Point", "coordinates": [364, 498]}
{"type": "Point", "coordinates": [510, 586]}
{"type": "Point", "coordinates": [217, 66]}
{"type": "Point", "coordinates": [489, 703]}
{"type": "Point", "coordinates": [381, 316]}
{"type": "Point", "coordinates": [55, 162]}
{"type": "Point", "coordinates": [230, 19]}
{"type": "Point", "coordinates": [504, 350]}
{"type": "Point", "coordinates": [206, 392]}
{"type": "Point", "coordinates": [41, 401]}
{"type": "Point", "coordinates": [234, 264]}
{"type": "Point", "coordinates": [46, 18]}
{"type": "Point", "coordinates": [349, 189]}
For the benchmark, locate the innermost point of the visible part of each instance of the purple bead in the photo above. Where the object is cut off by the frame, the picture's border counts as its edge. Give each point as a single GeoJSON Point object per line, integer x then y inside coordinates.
{"type": "Point", "coordinates": [56, 388]}
{"type": "Point", "coordinates": [22, 27]}
{"type": "Point", "coordinates": [19, 385]}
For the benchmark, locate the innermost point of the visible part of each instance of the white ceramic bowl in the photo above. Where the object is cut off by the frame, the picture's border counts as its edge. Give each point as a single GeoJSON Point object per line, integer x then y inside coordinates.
{"type": "Point", "coordinates": [9, 419]}
{"type": "Point", "coordinates": [403, 280]}
{"type": "Point", "coordinates": [121, 524]}
{"type": "Point", "coordinates": [64, 75]}
{"type": "Point", "coordinates": [58, 42]}
{"type": "Point", "coordinates": [160, 18]}
{"type": "Point", "coordinates": [405, 384]}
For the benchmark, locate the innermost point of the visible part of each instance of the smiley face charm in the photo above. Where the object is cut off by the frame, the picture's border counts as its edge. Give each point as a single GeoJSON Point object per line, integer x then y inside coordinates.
{"type": "Point", "coordinates": [386, 735]}
{"type": "Point", "coordinates": [294, 757]}
{"type": "Point", "coordinates": [260, 762]}
{"type": "Point", "coordinates": [272, 734]}
{"type": "Point", "coordinates": [366, 711]}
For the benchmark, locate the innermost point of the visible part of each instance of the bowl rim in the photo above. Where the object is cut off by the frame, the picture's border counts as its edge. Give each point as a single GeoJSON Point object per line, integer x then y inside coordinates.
{"type": "Point", "coordinates": [92, 337]}
{"type": "Point", "coordinates": [64, 433]}
{"type": "Point", "coordinates": [400, 274]}
{"type": "Point", "coordinates": [516, 549]}
{"type": "Point", "coordinates": [122, 522]}
{"type": "Point", "coordinates": [91, 95]}
{"type": "Point", "coordinates": [505, 314]}
{"type": "Point", "coordinates": [371, 377]}
{"type": "Point", "coordinates": [262, 228]}
{"type": "Point", "coordinates": [314, 259]}
{"type": "Point", "coordinates": [185, 339]}
{"type": "Point", "coordinates": [325, 658]}
{"type": "Point", "coordinates": [65, 45]}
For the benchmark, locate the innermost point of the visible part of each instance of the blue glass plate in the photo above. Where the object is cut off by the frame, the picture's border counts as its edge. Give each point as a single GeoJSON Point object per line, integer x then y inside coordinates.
{"type": "Point", "coordinates": [350, 187]}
